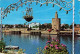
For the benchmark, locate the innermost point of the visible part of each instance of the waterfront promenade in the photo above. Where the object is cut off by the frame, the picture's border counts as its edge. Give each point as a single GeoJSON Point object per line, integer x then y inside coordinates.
{"type": "Point", "coordinates": [25, 31]}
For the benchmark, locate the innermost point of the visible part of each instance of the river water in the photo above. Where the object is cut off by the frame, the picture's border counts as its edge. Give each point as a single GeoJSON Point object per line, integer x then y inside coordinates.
{"type": "Point", "coordinates": [31, 42]}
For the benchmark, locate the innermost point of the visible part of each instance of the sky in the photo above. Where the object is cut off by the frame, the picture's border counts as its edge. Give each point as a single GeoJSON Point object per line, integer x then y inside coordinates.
{"type": "Point", "coordinates": [41, 15]}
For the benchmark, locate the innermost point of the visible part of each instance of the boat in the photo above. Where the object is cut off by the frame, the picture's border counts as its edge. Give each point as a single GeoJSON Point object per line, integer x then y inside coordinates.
{"type": "Point", "coordinates": [11, 47]}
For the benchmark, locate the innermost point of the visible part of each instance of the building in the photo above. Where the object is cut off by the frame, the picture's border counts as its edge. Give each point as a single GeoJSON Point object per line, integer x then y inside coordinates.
{"type": "Point", "coordinates": [62, 24]}
{"type": "Point", "coordinates": [77, 28]}
{"type": "Point", "coordinates": [77, 25]}
{"type": "Point", "coordinates": [3, 25]}
{"type": "Point", "coordinates": [56, 22]}
{"type": "Point", "coordinates": [34, 26]}
{"type": "Point", "coordinates": [14, 26]}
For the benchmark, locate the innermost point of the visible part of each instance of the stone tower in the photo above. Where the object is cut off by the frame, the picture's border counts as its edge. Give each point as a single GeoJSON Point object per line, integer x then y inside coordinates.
{"type": "Point", "coordinates": [56, 22]}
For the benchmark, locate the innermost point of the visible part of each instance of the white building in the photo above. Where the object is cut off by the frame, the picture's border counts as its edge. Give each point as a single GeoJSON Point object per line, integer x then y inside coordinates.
{"type": "Point", "coordinates": [62, 24]}
{"type": "Point", "coordinates": [3, 25]}
{"type": "Point", "coordinates": [34, 26]}
{"type": "Point", "coordinates": [14, 26]}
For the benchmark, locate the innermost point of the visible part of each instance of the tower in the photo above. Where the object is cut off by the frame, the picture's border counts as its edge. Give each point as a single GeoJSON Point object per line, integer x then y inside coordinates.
{"type": "Point", "coordinates": [56, 22]}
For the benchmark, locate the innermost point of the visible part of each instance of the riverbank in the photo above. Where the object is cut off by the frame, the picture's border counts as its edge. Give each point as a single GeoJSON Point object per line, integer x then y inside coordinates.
{"type": "Point", "coordinates": [25, 31]}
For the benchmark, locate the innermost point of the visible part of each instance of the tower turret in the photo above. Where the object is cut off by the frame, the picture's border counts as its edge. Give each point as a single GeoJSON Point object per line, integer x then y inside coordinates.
{"type": "Point", "coordinates": [56, 15]}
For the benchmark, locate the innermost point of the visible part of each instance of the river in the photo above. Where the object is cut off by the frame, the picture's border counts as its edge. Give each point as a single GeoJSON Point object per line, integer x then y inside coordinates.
{"type": "Point", "coordinates": [31, 42]}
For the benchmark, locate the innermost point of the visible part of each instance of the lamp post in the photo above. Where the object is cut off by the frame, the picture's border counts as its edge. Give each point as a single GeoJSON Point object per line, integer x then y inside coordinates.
{"type": "Point", "coordinates": [73, 28]}
{"type": "Point", "coordinates": [0, 29]}
{"type": "Point", "coordinates": [1, 8]}
{"type": "Point", "coordinates": [1, 26]}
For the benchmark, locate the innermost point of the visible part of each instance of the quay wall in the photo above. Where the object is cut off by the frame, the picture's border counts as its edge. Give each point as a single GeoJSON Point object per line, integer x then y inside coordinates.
{"type": "Point", "coordinates": [25, 31]}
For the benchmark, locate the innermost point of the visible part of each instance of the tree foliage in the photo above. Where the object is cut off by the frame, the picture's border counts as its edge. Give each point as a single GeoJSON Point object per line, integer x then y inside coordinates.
{"type": "Point", "coordinates": [2, 46]}
{"type": "Point", "coordinates": [47, 26]}
{"type": "Point", "coordinates": [66, 26]}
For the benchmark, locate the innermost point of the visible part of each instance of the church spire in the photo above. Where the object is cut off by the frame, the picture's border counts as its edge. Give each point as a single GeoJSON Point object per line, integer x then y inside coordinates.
{"type": "Point", "coordinates": [56, 15]}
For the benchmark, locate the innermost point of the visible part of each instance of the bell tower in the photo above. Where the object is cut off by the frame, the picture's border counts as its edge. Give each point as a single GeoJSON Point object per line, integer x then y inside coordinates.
{"type": "Point", "coordinates": [56, 22]}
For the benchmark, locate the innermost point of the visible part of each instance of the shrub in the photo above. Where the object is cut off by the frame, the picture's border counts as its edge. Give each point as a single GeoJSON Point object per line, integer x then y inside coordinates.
{"type": "Point", "coordinates": [21, 51]}
{"type": "Point", "coordinates": [2, 46]}
{"type": "Point", "coordinates": [53, 47]}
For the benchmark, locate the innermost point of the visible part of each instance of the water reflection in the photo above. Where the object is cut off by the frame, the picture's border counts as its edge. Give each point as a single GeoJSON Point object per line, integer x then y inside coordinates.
{"type": "Point", "coordinates": [77, 45]}
{"type": "Point", "coordinates": [30, 42]}
{"type": "Point", "coordinates": [67, 40]}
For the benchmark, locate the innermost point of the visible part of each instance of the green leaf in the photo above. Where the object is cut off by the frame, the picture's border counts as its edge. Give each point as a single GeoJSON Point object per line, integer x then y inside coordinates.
{"type": "Point", "coordinates": [46, 4]}
{"type": "Point", "coordinates": [53, 5]}
{"type": "Point", "coordinates": [60, 9]}
{"type": "Point", "coordinates": [66, 12]}
{"type": "Point", "coordinates": [31, 3]}
{"type": "Point", "coordinates": [40, 5]}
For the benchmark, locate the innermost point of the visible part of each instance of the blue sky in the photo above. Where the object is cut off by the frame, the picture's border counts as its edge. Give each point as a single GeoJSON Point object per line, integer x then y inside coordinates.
{"type": "Point", "coordinates": [42, 14]}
